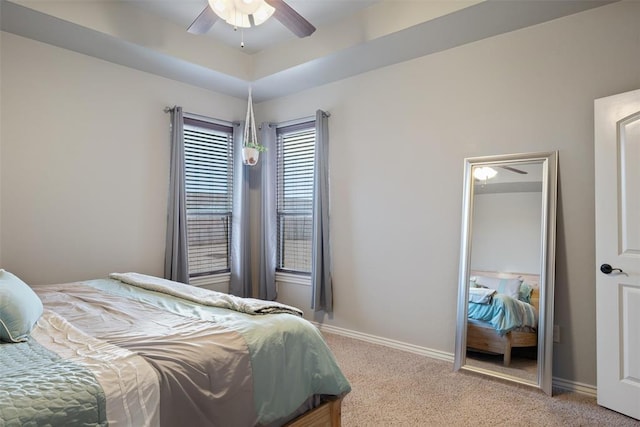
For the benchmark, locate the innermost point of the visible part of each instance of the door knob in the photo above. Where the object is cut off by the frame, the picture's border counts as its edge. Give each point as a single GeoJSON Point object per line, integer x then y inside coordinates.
{"type": "Point", "coordinates": [607, 269]}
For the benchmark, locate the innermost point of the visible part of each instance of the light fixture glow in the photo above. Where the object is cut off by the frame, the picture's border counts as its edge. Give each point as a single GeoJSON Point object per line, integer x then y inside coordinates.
{"type": "Point", "coordinates": [263, 13]}
{"type": "Point", "coordinates": [484, 173]}
{"type": "Point", "coordinates": [218, 6]}
{"type": "Point", "coordinates": [237, 12]}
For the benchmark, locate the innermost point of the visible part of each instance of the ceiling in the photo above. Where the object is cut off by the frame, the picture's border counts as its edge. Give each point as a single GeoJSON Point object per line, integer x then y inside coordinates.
{"type": "Point", "coordinates": [512, 177]}
{"type": "Point", "coordinates": [352, 37]}
{"type": "Point", "coordinates": [319, 12]}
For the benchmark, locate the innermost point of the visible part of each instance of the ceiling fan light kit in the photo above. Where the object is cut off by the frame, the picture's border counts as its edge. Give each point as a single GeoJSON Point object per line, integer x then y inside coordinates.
{"type": "Point", "coordinates": [247, 13]}
{"type": "Point", "coordinates": [242, 13]}
{"type": "Point", "coordinates": [484, 173]}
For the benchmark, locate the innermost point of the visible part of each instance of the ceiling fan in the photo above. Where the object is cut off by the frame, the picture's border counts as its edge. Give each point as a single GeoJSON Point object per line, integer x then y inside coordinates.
{"type": "Point", "coordinates": [487, 172]}
{"type": "Point", "coordinates": [512, 169]}
{"type": "Point", "coordinates": [247, 13]}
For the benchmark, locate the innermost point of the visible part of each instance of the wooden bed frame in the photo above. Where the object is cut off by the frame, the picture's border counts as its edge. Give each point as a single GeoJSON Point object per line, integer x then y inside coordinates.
{"type": "Point", "coordinates": [483, 337]}
{"type": "Point", "coordinates": [326, 415]}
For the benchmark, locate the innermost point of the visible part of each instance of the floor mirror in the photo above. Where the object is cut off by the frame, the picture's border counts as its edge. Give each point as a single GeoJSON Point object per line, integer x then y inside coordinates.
{"type": "Point", "coordinates": [507, 268]}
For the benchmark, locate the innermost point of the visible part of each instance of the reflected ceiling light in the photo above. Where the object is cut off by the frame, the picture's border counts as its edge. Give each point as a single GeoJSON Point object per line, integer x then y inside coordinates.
{"type": "Point", "coordinates": [484, 173]}
{"type": "Point", "coordinates": [242, 13]}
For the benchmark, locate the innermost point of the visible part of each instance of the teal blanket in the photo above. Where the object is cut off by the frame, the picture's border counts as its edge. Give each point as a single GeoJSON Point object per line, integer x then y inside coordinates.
{"type": "Point", "coordinates": [284, 350]}
{"type": "Point", "coordinates": [38, 388]}
{"type": "Point", "coordinates": [504, 313]}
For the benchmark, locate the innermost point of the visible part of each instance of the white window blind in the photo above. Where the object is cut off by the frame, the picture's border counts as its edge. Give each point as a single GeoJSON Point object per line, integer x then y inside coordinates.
{"type": "Point", "coordinates": [294, 202]}
{"type": "Point", "coordinates": [208, 152]}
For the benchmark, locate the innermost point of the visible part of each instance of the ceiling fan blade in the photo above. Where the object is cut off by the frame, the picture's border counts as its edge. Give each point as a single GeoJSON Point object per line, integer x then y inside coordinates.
{"type": "Point", "coordinates": [291, 19]}
{"type": "Point", "coordinates": [512, 169]}
{"type": "Point", "coordinates": [203, 23]}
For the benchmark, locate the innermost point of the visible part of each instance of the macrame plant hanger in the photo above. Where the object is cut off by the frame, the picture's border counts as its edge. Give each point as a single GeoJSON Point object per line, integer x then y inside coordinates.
{"type": "Point", "coordinates": [250, 146]}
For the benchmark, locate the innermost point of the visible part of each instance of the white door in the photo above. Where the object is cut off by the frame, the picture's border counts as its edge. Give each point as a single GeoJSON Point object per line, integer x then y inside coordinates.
{"type": "Point", "coordinates": [617, 186]}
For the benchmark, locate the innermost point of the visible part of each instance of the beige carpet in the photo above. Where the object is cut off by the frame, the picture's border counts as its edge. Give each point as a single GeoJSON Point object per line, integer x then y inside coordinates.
{"type": "Point", "coordinates": [396, 388]}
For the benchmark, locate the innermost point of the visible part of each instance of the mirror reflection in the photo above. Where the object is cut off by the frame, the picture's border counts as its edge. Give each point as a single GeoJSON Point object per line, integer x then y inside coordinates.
{"type": "Point", "coordinates": [505, 269]}
{"type": "Point", "coordinates": [504, 274]}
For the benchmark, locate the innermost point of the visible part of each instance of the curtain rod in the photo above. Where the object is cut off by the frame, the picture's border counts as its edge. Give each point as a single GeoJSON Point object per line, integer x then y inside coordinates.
{"type": "Point", "coordinates": [202, 118]}
{"type": "Point", "coordinates": [287, 123]}
{"type": "Point", "coordinates": [300, 120]}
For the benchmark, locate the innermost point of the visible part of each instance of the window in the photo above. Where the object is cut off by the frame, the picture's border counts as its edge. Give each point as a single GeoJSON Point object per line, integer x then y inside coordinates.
{"type": "Point", "coordinates": [294, 200]}
{"type": "Point", "coordinates": [208, 158]}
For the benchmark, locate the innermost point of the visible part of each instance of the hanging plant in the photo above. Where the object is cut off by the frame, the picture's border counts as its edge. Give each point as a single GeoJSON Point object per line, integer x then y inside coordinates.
{"type": "Point", "coordinates": [251, 148]}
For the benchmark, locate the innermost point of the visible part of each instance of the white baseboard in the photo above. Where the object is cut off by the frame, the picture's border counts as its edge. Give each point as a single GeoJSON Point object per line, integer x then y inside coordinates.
{"type": "Point", "coordinates": [423, 351]}
{"type": "Point", "coordinates": [576, 387]}
{"type": "Point", "coordinates": [559, 383]}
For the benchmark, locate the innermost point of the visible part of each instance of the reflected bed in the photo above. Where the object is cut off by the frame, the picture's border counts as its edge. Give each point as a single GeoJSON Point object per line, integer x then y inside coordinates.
{"type": "Point", "coordinates": [508, 319]}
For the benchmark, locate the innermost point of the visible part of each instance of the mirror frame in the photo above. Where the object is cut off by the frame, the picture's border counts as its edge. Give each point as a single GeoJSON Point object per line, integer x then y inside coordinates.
{"type": "Point", "coordinates": [549, 161]}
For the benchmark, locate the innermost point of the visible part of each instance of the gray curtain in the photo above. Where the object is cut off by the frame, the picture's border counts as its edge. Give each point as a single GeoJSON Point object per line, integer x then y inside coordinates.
{"type": "Point", "coordinates": [176, 263]}
{"type": "Point", "coordinates": [322, 291]}
{"type": "Point", "coordinates": [268, 226]}
{"type": "Point", "coordinates": [240, 243]}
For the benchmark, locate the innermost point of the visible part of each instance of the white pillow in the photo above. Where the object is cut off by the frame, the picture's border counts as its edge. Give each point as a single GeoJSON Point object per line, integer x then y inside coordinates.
{"type": "Point", "coordinates": [20, 308]}
{"type": "Point", "coordinates": [509, 287]}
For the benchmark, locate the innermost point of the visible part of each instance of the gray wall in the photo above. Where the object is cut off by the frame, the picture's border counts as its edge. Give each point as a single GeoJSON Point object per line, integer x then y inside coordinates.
{"type": "Point", "coordinates": [506, 232]}
{"type": "Point", "coordinates": [398, 139]}
{"type": "Point", "coordinates": [85, 157]}
{"type": "Point", "coordinates": [83, 198]}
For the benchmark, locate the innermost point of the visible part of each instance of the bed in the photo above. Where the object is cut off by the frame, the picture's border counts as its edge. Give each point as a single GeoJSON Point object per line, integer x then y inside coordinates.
{"type": "Point", "coordinates": [136, 350]}
{"type": "Point", "coordinates": [502, 312]}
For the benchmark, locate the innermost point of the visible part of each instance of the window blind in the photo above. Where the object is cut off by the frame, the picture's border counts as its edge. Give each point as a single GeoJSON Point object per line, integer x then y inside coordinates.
{"type": "Point", "coordinates": [294, 200]}
{"type": "Point", "coordinates": [208, 152]}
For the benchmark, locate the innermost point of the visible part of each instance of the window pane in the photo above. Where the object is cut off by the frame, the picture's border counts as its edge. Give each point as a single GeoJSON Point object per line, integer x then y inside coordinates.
{"type": "Point", "coordinates": [295, 197]}
{"type": "Point", "coordinates": [208, 181]}
{"type": "Point", "coordinates": [294, 242]}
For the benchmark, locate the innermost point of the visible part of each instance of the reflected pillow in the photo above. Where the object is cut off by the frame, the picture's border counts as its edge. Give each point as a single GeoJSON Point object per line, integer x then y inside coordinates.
{"type": "Point", "coordinates": [524, 293]}
{"type": "Point", "coordinates": [474, 284]}
{"type": "Point", "coordinates": [509, 287]}
{"type": "Point", "coordinates": [20, 308]}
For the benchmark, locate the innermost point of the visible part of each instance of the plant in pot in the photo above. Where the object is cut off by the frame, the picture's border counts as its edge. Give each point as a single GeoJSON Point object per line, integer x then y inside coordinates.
{"type": "Point", "coordinates": [251, 148]}
{"type": "Point", "coordinates": [251, 152]}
